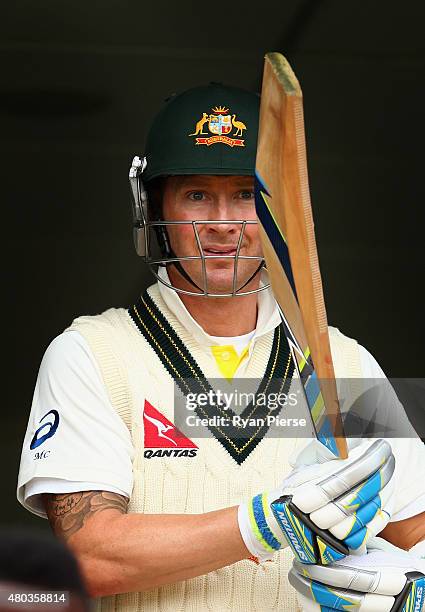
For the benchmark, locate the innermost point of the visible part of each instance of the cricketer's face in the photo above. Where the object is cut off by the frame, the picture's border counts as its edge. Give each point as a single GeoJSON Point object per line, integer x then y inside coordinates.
{"type": "Point", "coordinates": [212, 198]}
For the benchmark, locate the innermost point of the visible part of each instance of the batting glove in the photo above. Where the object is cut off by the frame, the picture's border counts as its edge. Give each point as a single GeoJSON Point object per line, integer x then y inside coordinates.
{"type": "Point", "coordinates": [326, 509]}
{"type": "Point", "coordinates": [385, 579]}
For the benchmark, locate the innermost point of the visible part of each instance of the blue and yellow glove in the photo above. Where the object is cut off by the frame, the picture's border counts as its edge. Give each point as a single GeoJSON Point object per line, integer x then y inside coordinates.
{"type": "Point", "coordinates": [326, 508]}
{"type": "Point", "coordinates": [385, 579]}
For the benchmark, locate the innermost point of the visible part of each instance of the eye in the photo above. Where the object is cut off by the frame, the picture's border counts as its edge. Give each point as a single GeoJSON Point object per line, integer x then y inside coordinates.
{"type": "Point", "coordinates": [196, 196]}
{"type": "Point", "coordinates": [246, 194]}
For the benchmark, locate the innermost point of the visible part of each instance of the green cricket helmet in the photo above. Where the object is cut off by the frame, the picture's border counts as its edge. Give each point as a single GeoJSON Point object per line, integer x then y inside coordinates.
{"type": "Point", "coordinates": [210, 130]}
{"type": "Point", "coordinates": [205, 130]}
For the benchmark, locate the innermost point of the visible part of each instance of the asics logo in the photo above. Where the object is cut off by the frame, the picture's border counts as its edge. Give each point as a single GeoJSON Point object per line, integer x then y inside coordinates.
{"type": "Point", "coordinates": [52, 427]}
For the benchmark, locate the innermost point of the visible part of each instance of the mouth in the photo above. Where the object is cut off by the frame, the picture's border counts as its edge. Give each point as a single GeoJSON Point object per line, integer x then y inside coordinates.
{"type": "Point", "coordinates": [228, 251]}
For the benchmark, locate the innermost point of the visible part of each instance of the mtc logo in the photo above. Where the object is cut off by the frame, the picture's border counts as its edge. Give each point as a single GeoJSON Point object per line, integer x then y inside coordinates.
{"type": "Point", "coordinates": [51, 424]}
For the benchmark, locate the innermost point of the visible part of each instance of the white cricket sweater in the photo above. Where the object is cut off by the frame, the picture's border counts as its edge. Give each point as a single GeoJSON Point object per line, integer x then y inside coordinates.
{"type": "Point", "coordinates": [133, 373]}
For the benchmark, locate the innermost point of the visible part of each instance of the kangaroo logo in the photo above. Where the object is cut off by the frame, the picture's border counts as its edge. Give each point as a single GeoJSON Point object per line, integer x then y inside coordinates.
{"type": "Point", "coordinates": [162, 434]}
{"type": "Point", "coordinates": [161, 427]}
{"type": "Point", "coordinates": [220, 124]}
{"type": "Point", "coordinates": [37, 441]}
{"type": "Point", "coordinates": [200, 125]}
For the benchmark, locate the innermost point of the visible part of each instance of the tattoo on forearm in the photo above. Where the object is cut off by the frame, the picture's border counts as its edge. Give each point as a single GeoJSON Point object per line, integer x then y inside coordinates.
{"type": "Point", "coordinates": [68, 512]}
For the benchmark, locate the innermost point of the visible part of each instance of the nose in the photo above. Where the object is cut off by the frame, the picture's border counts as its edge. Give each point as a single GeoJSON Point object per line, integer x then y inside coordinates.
{"type": "Point", "coordinates": [223, 210]}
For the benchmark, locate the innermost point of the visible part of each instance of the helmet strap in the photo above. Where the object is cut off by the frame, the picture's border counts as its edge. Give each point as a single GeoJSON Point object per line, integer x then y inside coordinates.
{"type": "Point", "coordinates": [183, 273]}
{"type": "Point", "coordinates": [262, 264]}
{"type": "Point", "coordinates": [167, 251]}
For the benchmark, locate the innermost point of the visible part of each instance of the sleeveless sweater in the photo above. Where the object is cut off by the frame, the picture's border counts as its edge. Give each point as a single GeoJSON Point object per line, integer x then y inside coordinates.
{"type": "Point", "coordinates": [133, 373]}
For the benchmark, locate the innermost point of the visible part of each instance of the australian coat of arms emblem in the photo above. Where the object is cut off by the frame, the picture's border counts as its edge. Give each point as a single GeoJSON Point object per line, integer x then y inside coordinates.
{"type": "Point", "coordinates": [221, 124]}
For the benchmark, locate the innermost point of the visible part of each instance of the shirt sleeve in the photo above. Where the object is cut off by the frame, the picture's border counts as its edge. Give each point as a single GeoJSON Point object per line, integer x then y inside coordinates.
{"type": "Point", "coordinates": [409, 450]}
{"type": "Point", "coordinates": [74, 435]}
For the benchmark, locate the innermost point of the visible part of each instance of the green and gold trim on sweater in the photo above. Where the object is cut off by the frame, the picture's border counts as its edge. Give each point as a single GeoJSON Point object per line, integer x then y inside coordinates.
{"type": "Point", "coordinates": [188, 376]}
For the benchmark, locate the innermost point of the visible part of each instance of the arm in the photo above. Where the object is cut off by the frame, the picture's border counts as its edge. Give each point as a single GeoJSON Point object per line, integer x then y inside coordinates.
{"type": "Point", "coordinates": [405, 534]}
{"type": "Point", "coordinates": [121, 552]}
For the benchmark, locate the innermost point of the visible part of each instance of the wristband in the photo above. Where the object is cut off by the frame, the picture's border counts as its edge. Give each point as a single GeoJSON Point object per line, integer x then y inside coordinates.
{"type": "Point", "coordinates": [259, 529]}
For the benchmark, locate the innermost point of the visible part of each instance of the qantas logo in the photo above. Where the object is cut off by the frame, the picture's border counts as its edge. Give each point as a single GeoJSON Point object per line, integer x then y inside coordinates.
{"type": "Point", "coordinates": [162, 435]}
{"type": "Point", "coordinates": [161, 428]}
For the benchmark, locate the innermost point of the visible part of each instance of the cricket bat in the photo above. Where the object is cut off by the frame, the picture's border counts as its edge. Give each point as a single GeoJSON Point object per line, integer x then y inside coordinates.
{"type": "Point", "coordinates": [283, 207]}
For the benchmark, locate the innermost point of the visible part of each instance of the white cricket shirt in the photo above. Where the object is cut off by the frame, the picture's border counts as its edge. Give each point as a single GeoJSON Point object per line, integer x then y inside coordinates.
{"type": "Point", "coordinates": [75, 441]}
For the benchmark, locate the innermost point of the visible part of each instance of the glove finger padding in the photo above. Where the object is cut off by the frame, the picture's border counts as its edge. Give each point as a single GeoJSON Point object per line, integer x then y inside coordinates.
{"type": "Point", "coordinates": [357, 541]}
{"type": "Point", "coordinates": [326, 518]}
{"type": "Point", "coordinates": [317, 596]}
{"type": "Point", "coordinates": [386, 578]}
{"type": "Point", "coordinates": [340, 509]}
{"type": "Point", "coordinates": [366, 522]}
{"type": "Point", "coordinates": [346, 475]}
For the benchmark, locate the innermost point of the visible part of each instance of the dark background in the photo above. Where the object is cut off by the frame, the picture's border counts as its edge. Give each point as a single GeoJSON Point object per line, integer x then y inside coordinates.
{"type": "Point", "coordinates": [80, 81]}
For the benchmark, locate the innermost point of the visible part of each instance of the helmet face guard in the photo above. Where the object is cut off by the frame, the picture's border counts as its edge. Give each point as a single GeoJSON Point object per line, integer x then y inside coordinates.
{"type": "Point", "coordinates": [151, 236]}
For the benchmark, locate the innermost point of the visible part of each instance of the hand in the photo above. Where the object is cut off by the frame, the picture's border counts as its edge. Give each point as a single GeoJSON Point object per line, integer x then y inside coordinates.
{"type": "Point", "coordinates": [326, 508]}
{"type": "Point", "coordinates": [385, 579]}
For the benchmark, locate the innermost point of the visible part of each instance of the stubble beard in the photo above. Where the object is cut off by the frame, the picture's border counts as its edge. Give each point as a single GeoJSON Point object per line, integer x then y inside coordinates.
{"type": "Point", "coordinates": [219, 274]}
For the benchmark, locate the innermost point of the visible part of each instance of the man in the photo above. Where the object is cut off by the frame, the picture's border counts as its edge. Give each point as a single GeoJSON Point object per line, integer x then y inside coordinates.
{"type": "Point", "coordinates": [164, 521]}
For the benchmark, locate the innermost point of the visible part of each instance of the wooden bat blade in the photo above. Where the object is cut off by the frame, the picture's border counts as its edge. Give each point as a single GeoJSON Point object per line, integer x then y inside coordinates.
{"type": "Point", "coordinates": [287, 233]}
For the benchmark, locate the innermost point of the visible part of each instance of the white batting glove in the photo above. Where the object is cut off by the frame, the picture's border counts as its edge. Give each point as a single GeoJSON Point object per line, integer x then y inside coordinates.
{"type": "Point", "coordinates": [385, 579]}
{"type": "Point", "coordinates": [326, 508]}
